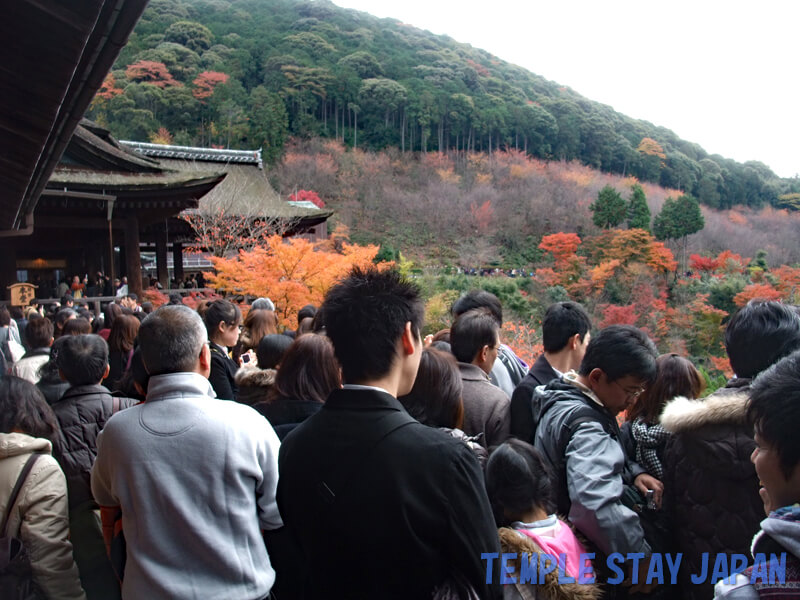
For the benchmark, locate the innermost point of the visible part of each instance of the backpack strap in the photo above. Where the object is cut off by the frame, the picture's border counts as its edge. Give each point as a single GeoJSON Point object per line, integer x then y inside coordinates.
{"type": "Point", "coordinates": [15, 492]}
{"type": "Point", "coordinates": [115, 404]}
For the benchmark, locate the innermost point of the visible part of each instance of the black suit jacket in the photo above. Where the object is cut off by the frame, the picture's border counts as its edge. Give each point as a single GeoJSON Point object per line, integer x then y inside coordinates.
{"type": "Point", "coordinates": [223, 373]}
{"type": "Point", "coordinates": [399, 515]}
{"type": "Point", "coordinates": [522, 422]}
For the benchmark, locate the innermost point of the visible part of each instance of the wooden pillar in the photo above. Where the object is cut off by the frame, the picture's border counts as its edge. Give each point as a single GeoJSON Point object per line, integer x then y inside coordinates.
{"type": "Point", "coordinates": [177, 261]}
{"type": "Point", "coordinates": [8, 267]}
{"type": "Point", "coordinates": [133, 261]}
{"type": "Point", "coordinates": [161, 255]}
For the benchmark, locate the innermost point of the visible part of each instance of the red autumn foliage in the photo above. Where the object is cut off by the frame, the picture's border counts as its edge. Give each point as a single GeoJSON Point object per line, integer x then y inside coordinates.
{"type": "Point", "coordinates": [109, 88]}
{"type": "Point", "coordinates": [482, 215]}
{"type": "Point", "coordinates": [308, 196]}
{"type": "Point", "coordinates": [205, 83]}
{"type": "Point", "coordinates": [761, 291]}
{"type": "Point", "coordinates": [563, 246]}
{"type": "Point", "coordinates": [618, 315]}
{"type": "Point", "coordinates": [702, 263]}
{"type": "Point", "coordinates": [152, 72]}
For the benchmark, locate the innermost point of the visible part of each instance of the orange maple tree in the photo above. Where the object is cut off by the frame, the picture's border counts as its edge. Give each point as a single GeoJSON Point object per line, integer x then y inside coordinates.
{"type": "Point", "coordinates": [150, 71]}
{"type": "Point", "coordinates": [205, 83]}
{"type": "Point", "coordinates": [293, 272]}
{"type": "Point", "coordinates": [761, 291]}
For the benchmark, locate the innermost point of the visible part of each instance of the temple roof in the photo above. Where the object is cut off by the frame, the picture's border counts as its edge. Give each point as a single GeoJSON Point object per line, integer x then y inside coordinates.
{"type": "Point", "coordinates": [54, 56]}
{"type": "Point", "coordinates": [222, 155]}
{"type": "Point", "coordinates": [246, 189]}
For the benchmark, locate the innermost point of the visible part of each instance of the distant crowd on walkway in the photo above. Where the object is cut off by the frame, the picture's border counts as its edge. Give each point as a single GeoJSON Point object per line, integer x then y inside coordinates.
{"type": "Point", "coordinates": [180, 453]}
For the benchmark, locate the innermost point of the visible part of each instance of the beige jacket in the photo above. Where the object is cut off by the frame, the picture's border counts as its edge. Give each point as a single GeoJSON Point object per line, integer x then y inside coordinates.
{"type": "Point", "coordinates": [40, 517]}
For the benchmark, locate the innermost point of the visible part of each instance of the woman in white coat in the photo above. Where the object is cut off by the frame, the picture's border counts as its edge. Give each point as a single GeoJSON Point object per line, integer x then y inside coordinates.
{"type": "Point", "coordinates": [39, 516]}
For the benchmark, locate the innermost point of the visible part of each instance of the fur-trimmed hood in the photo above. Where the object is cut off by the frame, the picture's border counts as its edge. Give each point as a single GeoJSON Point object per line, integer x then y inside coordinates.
{"type": "Point", "coordinates": [513, 542]}
{"type": "Point", "coordinates": [254, 384]}
{"type": "Point", "coordinates": [725, 407]}
{"type": "Point", "coordinates": [255, 377]}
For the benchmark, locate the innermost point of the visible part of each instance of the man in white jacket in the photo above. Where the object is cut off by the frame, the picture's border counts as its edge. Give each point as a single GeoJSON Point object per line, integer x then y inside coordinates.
{"type": "Point", "coordinates": [195, 477]}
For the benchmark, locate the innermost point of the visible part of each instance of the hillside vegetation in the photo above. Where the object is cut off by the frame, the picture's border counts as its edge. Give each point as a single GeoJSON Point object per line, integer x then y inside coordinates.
{"type": "Point", "coordinates": [250, 73]}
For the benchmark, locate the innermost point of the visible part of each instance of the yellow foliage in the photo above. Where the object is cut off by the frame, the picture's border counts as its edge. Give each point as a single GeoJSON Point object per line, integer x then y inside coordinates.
{"type": "Point", "coordinates": [449, 175]}
{"type": "Point", "coordinates": [483, 178]}
{"type": "Point", "coordinates": [437, 311]}
{"type": "Point", "coordinates": [520, 171]}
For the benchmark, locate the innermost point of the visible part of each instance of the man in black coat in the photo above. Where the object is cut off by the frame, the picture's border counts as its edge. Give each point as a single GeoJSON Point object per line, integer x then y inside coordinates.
{"type": "Point", "coordinates": [565, 335]}
{"type": "Point", "coordinates": [382, 506]}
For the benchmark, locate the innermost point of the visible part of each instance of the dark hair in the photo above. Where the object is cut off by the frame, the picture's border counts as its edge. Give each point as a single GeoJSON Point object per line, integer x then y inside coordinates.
{"type": "Point", "coordinates": [85, 313]}
{"type": "Point", "coordinates": [271, 349]}
{"type": "Point", "coordinates": [308, 311]}
{"type": "Point", "coordinates": [111, 312]}
{"type": "Point", "coordinates": [675, 376]}
{"type": "Point", "coordinates": [305, 326]}
{"type": "Point", "coordinates": [23, 408]}
{"type": "Point", "coordinates": [435, 400]}
{"type": "Point", "coordinates": [309, 370]}
{"type": "Point", "coordinates": [39, 333]}
{"type": "Point", "coordinates": [517, 480]}
{"type": "Point", "coordinates": [471, 331]}
{"type": "Point", "coordinates": [16, 312]}
{"type": "Point", "coordinates": [123, 333]}
{"type": "Point", "coordinates": [257, 324]}
{"type": "Point", "coordinates": [5, 316]}
{"type": "Point", "coordinates": [479, 299]}
{"type": "Point", "coordinates": [77, 326]}
{"type": "Point", "coordinates": [365, 316]}
{"type": "Point", "coordinates": [221, 311]}
{"type": "Point", "coordinates": [774, 409]}
{"type": "Point", "coordinates": [61, 317]}
{"type": "Point", "coordinates": [620, 350]}
{"type": "Point", "coordinates": [759, 334]}
{"type": "Point", "coordinates": [147, 307]}
{"type": "Point", "coordinates": [83, 359]}
{"type": "Point", "coordinates": [563, 320]}
{"type": "Point", "coordinates": [443, 335]}
{"type": "Point", "coordinates": [136, 374]}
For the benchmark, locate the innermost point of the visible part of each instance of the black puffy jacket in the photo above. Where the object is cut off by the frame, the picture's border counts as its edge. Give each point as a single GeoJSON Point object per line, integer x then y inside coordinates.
{"type": "Point", "coordinates": [82, 413]}
{"type": "Point", "coordinates": [710, 485]}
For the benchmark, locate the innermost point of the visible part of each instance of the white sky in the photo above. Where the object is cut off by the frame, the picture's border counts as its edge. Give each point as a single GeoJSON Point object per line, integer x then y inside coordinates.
{"type": "Point", "coordinates": [720, 74]}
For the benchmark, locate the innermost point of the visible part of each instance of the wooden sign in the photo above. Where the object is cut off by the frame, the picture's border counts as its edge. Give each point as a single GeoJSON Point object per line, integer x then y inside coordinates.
{"type": "Point", "coordinates": [22, 293]}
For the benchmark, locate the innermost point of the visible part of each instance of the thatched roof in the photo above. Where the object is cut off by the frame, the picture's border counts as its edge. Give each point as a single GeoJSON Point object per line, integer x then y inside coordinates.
{"type": "Point", "coordinates": [244, 191]}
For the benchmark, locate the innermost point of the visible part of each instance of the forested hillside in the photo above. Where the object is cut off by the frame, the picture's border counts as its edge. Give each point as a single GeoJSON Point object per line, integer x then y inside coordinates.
{"type": "Point", "coordinates": [250, 73]}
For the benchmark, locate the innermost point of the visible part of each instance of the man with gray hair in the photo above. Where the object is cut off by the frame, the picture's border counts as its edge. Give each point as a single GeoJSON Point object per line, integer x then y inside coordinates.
{"type": "Point", "coordinates": [195, 477]}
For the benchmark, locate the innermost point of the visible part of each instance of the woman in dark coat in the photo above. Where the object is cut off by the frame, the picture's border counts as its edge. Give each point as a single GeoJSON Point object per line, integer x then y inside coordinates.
{"type": "Point", "coordinates": [121, 342]}
{"type": "Point", "coordinates": [222, 320]}
{"type": "Point", "coordinates": [307, 375]}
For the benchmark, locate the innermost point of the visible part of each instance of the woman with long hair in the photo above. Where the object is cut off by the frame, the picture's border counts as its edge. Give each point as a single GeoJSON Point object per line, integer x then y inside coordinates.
{"type": "Point", "coordinates": [39, 516]}
{"type": "Point", "coordinates": [675, 376]}
{"type": "Point", "coordinates": [308, 373]}
{"type": "Point", "coordinates": [257, 324]}
{"type": "Point", "coordinates": [121, 342]}
{"type": "Point", "coordinates": [436, 401]}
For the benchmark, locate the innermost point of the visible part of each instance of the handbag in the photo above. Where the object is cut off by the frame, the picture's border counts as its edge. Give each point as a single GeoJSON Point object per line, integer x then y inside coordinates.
{"type": "Point", "coordinates": [16, 577]}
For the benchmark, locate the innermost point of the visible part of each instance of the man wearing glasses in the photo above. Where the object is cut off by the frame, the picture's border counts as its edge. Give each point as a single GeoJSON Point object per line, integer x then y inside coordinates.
{"type": "Point", "coordinates": [577, 433]}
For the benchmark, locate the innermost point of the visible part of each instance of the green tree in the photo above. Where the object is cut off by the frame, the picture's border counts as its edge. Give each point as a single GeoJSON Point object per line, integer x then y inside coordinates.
{"type": "Point", "coordinates": [194, 36]}
{"type": "Point", "coordinates": [638, 211]}
{"type": "Point", "coordinates": [269, 122]}
{"type": "Point", "coordinates": [678, 220]}
{"type": "Point", "coordinates": [609, 209]}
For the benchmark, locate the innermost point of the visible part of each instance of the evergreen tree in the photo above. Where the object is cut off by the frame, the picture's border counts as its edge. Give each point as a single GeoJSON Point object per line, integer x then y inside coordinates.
{"type": "Point", "coordinates": [678, 220]}
{"type": "Point", "coordinates": [609, 209]}
{"type": "Point", "coordinates": [638, 211]}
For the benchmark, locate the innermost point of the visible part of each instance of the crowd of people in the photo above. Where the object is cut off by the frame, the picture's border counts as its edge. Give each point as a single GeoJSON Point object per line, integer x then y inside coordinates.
{"type": "Point", "coordinates": [182, 453]}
